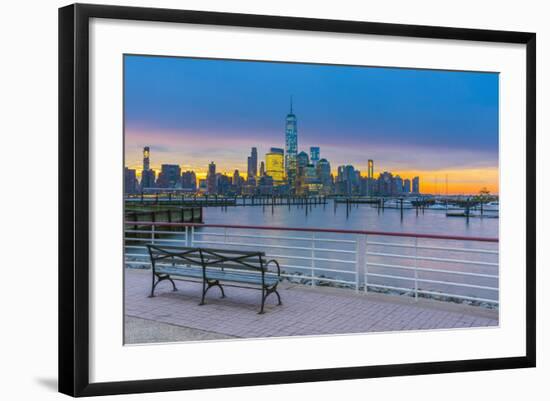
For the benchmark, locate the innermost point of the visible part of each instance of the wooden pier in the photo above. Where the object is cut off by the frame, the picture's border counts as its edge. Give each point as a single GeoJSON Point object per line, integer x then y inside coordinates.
{"type": "Point", "coordinates": [166, 215]}
{"type": "Point", "coordinates": [224, 201]}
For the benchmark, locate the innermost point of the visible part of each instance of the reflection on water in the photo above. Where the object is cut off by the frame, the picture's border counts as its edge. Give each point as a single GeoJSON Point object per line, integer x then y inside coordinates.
{"type": "Point", "coordinates": [359, 217]}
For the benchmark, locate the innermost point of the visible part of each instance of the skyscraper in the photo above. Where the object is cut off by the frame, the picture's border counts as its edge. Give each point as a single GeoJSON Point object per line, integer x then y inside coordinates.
{"type": "Point", "coordinates": [314, 153]}
{"type": "Point", "coordinates": [346, 180]}
{"type": "Point", "coordinates": [416, 185]}
{"type": "Point", "coordinates": [189, 181]}
{"type": "Point", "coordinates": [323, 172]}
{"type": "Point", "coordinates": [385, 183]}
{"type": "Point", "coordinates": [370, 170]}
{"type": "Point", "coordinates": [291, 147]}
{"type": "Point", "coordinates": [302, 160]}
{"type": "Point", "coordinates": [252, 171]}
{"type": "Point", "coordinates": [237, 182]}
{"type": "Point", "coordinates": [407, 185]}
{"type": "Point", "coordinates": [211, 179]}
{"type": "Point", "coordinates": [147, 175]}
{"type": "Point", "coordinates": [223, 184]}
{"type": "Point", "coordinates": [274, 165]}
{"type": "Point", "coordinates": [170, 176]}
{"type": "Point", "coordinates": [397, 187]}
{"type": "Point", "coordinates": [262, 169]}
{"type": "Point", "coordinates": [370, 187]}
{"type": "Point", "coordinates": [146, 158]}
{"type": "Point", "coordinates": [130, 182]}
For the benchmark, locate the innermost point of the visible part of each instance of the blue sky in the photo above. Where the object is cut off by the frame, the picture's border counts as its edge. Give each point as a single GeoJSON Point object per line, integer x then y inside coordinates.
{"type": "Point", "coordinates": [190, 110]}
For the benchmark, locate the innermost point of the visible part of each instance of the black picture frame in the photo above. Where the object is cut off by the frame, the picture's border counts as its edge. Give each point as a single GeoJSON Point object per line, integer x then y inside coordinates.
{"type": "Point", "coordinates": [74, 198]}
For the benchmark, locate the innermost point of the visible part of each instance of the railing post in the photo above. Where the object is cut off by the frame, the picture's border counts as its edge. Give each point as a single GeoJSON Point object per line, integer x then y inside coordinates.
{"type": "Point", "coordinates": [153, 234]}
{"type": "Point", "coordinates": [192, 237]}
{"type": "Point", "coordinates": [366, 276]}
{"type": "Point", "coordinates": [313, 259]}
{"type": "Point", "coordinates": [360, 260]}
{"type": "Point", "coordinates": [415, 268]}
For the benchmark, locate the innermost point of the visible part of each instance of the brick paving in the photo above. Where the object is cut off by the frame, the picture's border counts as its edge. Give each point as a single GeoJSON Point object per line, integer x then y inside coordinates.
{"type": "Point", "coordinates": [305, 310]}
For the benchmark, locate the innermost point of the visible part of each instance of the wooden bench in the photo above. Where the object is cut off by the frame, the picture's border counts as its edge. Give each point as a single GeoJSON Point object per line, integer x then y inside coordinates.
{"type": "Point", "coordinates": [214, 268]}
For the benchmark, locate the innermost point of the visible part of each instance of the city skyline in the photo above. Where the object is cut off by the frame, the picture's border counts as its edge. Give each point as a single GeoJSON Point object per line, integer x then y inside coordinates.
{"type": "Point", "coordinates": [311, 177]}
{"type": "Point", "coordinates": [460, 154]}
{"type": "Point", "coordinates": [430, 184]}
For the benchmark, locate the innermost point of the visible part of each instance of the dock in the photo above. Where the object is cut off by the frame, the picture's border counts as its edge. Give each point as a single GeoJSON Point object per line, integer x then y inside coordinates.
{"type": "Point", "coordinates": [225, 201]}
{"type": "Point", "coordinates": [165, 215]}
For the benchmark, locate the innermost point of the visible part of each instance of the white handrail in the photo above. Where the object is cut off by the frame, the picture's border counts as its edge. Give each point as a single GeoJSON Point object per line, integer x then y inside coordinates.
{"type": "Point", "coordinates": [369, 269]}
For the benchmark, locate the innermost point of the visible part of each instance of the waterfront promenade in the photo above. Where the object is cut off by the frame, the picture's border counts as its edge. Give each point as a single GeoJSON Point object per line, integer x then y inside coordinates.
{"type": "Point", "coordinates": [176, 316]}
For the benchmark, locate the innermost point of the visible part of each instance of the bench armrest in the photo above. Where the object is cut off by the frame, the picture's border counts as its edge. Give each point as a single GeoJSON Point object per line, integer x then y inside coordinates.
{"type": "Point", "coordinates": [276, 263]}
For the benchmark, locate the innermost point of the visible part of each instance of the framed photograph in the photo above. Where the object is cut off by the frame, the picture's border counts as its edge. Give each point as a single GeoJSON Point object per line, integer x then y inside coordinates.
{"type": "Point", "coordinates": [251, 199]}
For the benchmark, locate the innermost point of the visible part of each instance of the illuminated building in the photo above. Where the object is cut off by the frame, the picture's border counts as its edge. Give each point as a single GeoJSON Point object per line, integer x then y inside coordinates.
{"type": "Point", "coordinates": [416, 185]}
{"type": "Point", "coordinates": [325, 177]}
{"type": "Point", "coordinates": [311, 183]}
{"type": "Point", "coordinates": [370, 170]}
{"type": "Point", "coordinates": [407, 185]}
{"type": "Point", "coordinates": [291, 147]}
{"type": "Point", "coordinates": [189, 181]}
{"type": "Point", "coordinates": [314, 153]}
{"type": "Point", "coordinates": [237, 183]}
{"type": "Point", "coordinates": [252, 171]}
{"type": "Point", "coordinates": [170, 176]}
{"type": "Point", "coordinates": [202, 185]}
{"type": "Point", "coordinates": [385, 183]}
{"type": "Point", "coordinates": [265, 185]}
{"type": "Point", "coordinates": [211, 179]}
{"type": "Point", "coordinates": [147, 175]}
{"type": "Point", "coordinates": [274, 161]}
{"type": "Point", "coordinates": [130, 182]}
{"type": "Point", "coordinates": [302, 160]}
{"type": "Point", "coordinates": [397, 185]}
{"type": "Point", "coordinates": [223, 184]}
{"type": "Point", "coordinates": [146, 158]}
{"type": "Point", "coordinates": [347, 181]}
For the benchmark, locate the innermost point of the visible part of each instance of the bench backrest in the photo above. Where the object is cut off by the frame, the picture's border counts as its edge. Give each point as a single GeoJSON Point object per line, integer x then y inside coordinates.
{"type": "Point", "coordinates": [231, 259]}
{"type": "Point", "coordinates": [187, 255]}
{"type": "Point", "coordinates": [208, 257]}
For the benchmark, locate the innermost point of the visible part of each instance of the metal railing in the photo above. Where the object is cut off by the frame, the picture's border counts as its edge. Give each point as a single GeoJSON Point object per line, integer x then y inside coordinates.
{"type": "Point", "coordinates": [463, 269]}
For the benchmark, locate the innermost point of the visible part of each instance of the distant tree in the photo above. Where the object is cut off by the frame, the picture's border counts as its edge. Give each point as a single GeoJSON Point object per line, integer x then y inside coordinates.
{"type": "Point", "coordinates": [484, 192]}
{"type": "Point", "coordinates": [483, 196]}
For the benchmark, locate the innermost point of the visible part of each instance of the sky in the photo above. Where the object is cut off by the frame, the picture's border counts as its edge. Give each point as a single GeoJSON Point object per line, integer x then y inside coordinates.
{"type": "Point", "coordinates": [439, 125]}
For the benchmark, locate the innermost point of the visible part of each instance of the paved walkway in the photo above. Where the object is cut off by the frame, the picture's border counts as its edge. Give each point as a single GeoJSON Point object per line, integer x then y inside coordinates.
{"type": "Point", "coordinates": [305, 311]}
{"type": "Point", "coordinates": [140, 331]}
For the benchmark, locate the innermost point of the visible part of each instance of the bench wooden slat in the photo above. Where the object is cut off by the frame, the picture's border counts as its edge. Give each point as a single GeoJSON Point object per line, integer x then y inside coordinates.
{"type": "Point", "coordinates": [217, 274]}
{"type": "Point", "coordinates": [180, 271]}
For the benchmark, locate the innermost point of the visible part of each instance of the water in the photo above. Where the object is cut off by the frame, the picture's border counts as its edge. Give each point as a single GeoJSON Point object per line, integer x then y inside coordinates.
{"type": "Point", "coordinates": [361, 217]}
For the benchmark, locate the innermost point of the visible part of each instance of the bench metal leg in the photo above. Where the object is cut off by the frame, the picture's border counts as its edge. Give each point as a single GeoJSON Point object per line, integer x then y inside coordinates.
{"type": "Point", "coordinates": [161, 278]}
{"type": "Point", "coordinates": [264, 296]}
{"type": "Point", "coordinates": [206, 285]}
{"type": "Point", "coordinates": [278, 297]}
{"type": "Point", "coordinates": [153, 285]}
{"type": "Point", "coordinates": [174, 288]}
{"type": "Point", "coordinates": [265, 293]}
{"type": "Point", "coordinates": [221, 289]}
